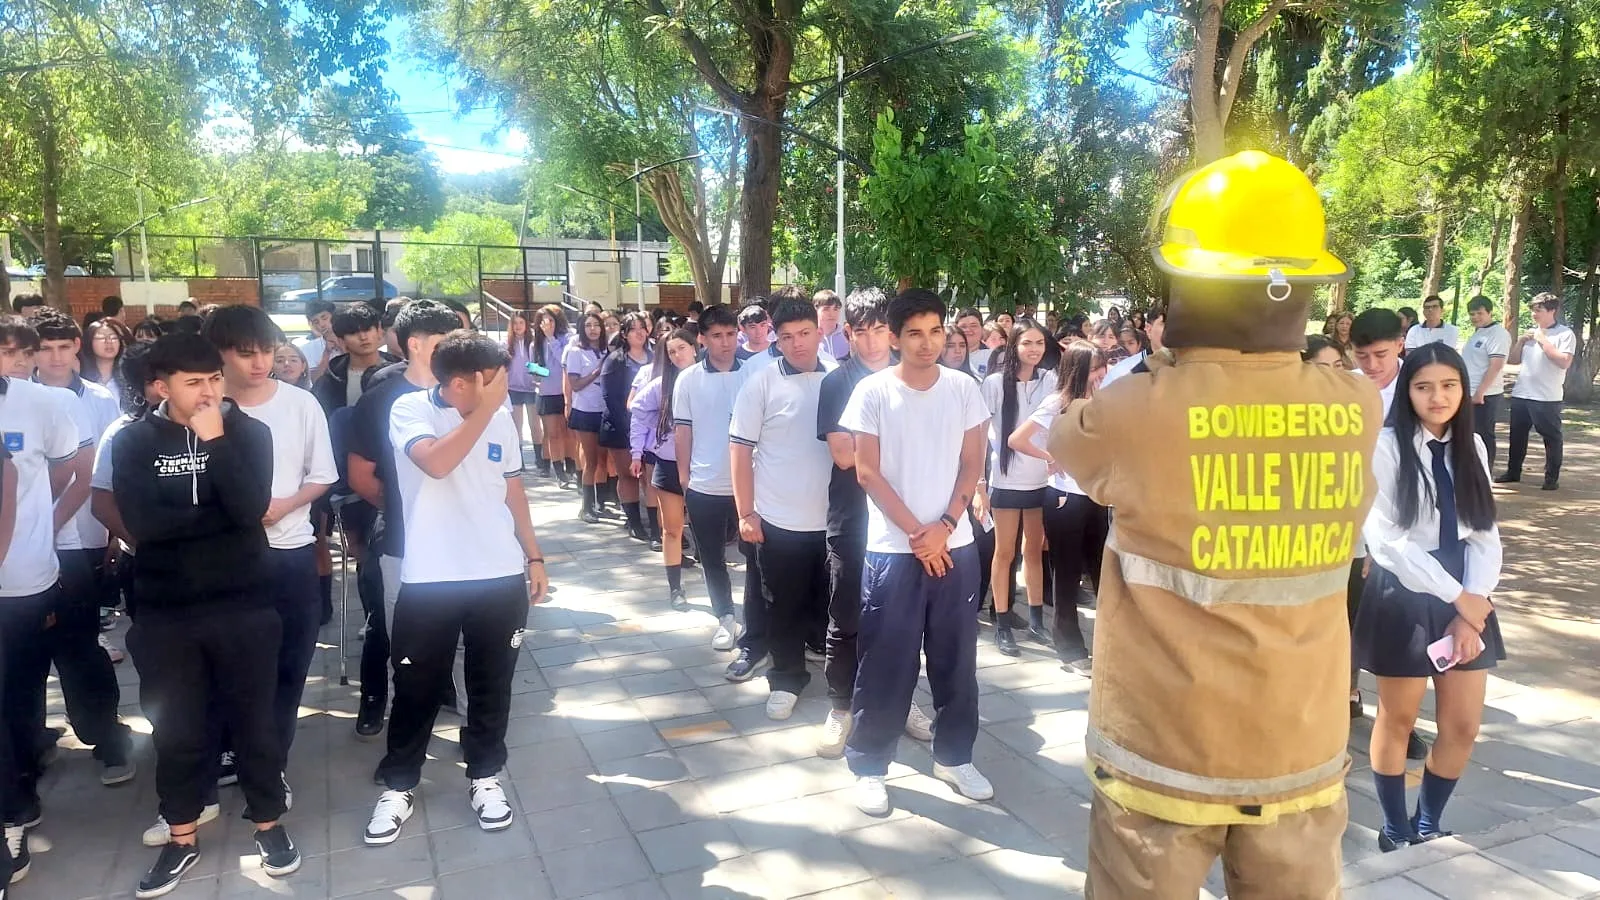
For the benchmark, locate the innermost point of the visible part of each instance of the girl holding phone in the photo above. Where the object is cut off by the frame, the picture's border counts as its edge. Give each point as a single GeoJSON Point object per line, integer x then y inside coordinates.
{"type": "Point", "coordinates": [1435, 554]}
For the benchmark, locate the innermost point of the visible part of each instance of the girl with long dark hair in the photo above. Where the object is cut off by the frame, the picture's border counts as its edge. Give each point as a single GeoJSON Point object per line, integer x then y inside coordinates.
{"type": "Point", "coordinates": [1425, 612]}
{"type": "Point", "coordinates": [1016, 482]}
{"type": "Point", "coordinates": [586, 405]}
{"type": "Point", "coordinates": [1075, 526]}
{"type": "Point", "coordinates": [550, 338]}
{"type": "Point", "coordinates": [104, 342]}
{"type": "Point", "coordinates": [650, 430]}
{"type": "Point", "coordinates": [522, 386]}
{"type": "Point", "coordinates": [630, 354]}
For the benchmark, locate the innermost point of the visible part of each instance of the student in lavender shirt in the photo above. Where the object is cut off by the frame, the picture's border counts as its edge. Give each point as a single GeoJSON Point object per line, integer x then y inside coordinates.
{"type": "Point", "coordinates": [651, 435]}
{"type": "Point", "coordinates": [830, 318]}
{"type": "Point", "coordinates": [523, 387]}
{"type": "Point", "coordinates": [549, 340]}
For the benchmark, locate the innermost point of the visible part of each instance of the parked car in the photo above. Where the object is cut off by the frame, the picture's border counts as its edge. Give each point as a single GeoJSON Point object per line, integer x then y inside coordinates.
{"type": "Point", "coordinates": [338, 289]}
{"type": "Point", "coordinates": [36, 271]}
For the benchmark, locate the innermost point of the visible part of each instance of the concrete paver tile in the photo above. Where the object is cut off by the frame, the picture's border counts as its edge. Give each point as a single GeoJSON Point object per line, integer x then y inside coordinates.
{"type": "Point", "coordinates": [690, 845]}
{"type": "Point", "coordinates": [1472, 877]}
{"type": "Point", "coordinates": [595, 867]}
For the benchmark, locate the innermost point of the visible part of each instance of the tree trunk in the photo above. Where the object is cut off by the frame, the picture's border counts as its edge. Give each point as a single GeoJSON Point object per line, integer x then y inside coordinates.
{"type": "Point", "coordinates": [1580, 375]}
{"type": "Point", "coordinates": [665, 187]}
{"type": "Point", "coordinates": [1558, 225]}
{"type": "Point", "coordinates": [1494, 250]}
{"type": "Point", "coordinates": [55, 267]}
{"type": "Point", "coordinates": [1511, 301]}
{"type": "Point", "coordinates": [1338, 295]}
{"type": "Point", "coordinates": [763, 170]}
{"type": "Point", "coordinates": [1430, 286]}
{"type": "Point", "coordinates": [1204, 109]}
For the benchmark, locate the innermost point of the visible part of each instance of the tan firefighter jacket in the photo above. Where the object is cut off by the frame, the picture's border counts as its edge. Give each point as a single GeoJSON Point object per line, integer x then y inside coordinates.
{"type": "Point", "coordinates": [1239, 483]}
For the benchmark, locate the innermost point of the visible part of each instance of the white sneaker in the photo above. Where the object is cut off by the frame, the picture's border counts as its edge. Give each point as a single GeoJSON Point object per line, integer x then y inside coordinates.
{"type": "Point", "coordinates": [488, 800]}
{"type": "Point", "coordinates": [228, 764]}
{"type": "Point", "coordinates": [160, 834]}
{"type": "Point", "coordinates": [392, 811]}
{"type": "Point", "coordinates": [967, 780]}
{"type": "Point", "coordinates": [727, 633]}
{"type": "Point", "coordinates": [835, 732]}
{"type": "Point", "coordinates": [918, 725]}
{"type": "Point", "coordinates": [780, 705]}
{"type": "Point", "coordinates": [872, 796]}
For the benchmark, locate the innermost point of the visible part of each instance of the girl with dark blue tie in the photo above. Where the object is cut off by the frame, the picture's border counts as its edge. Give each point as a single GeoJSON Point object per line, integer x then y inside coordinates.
{"type": "Point", "coordinates": [1425, 612]}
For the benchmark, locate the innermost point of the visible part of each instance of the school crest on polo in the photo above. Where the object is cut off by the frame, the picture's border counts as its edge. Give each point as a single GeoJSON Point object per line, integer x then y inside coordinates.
{"type": "Point", "coordinates": [495, 453]}
{"type": "Point", "coordinates": [14, 441]}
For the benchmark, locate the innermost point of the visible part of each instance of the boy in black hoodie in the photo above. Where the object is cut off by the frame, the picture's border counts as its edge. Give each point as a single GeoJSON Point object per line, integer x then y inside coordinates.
{"type": "Point", "coordinates": [192, 481]}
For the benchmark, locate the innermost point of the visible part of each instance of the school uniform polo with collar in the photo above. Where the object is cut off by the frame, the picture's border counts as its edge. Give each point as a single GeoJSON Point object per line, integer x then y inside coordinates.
{"type": "Point", "coordinates": [702, 400]}
{"type": "Point", "coordinates": [463, 576]}
{"type": "Point", "coordinates": [1418, 570]}
{"type": "Point", "coordinates": [775, 415]}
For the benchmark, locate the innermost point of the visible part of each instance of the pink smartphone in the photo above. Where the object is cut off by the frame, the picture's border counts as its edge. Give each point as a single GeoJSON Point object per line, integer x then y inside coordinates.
{"type": "Point", "coordinates": [1442, 653]}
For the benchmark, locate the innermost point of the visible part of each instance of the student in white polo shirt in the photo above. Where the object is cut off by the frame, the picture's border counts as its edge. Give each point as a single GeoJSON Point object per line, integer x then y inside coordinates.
{"type": "Point", "coordinates": [1485, 355]}
{"type": "Point", "coordinates": [88, 681]}
{"type": "Point", "coordinates": [702, 410]}
{"type": "Point", "coordinates": [1433, 329]}
{"type": "Point", "coordinates": [780, 488]}
{"type": "Point", "coordinates": [1545, 354]}
{"type": "Point", "coordinates": [472, 567]}
{"type": "Point", "coordinates": [302, 471]}
{"type": "Point", "coordinates": [37, 426]}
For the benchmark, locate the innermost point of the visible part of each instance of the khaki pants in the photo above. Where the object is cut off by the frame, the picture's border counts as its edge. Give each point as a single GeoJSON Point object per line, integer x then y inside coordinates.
{"type": "Point", "coordinates": [1133, 856]}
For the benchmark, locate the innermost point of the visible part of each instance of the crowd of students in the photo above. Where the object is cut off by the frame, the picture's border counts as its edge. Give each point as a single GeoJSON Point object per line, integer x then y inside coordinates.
{"type": "Point", "coordinates": [881, 466]}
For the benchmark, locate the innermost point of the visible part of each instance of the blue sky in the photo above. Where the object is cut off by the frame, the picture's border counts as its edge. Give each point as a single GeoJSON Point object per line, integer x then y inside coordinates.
{"type": "Point", "coordinates": [465, 141]}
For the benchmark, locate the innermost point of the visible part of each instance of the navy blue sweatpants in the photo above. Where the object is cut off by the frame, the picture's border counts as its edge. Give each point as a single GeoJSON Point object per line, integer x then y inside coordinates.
{"type": "Point", "coordinates": [904, 610]}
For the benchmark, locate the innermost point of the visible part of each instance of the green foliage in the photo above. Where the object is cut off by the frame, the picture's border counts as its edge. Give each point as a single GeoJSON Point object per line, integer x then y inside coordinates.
{"type": "Point", "coordinates": [406, 191]}
{"type": "Point", "coordinates": [452, 271]}
{"type": "Point", "coordinates": [957, 217]}
{"type": "Point", "coordinates": [304, 195]}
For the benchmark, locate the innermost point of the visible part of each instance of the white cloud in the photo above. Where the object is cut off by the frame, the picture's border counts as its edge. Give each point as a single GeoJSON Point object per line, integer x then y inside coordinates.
{"type": "Point", "coordinates": [456, 156]}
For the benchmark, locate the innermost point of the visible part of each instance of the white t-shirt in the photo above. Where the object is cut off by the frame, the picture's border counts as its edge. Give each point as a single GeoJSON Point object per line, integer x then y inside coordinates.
{"type": "Point", "coordinates": [919, 446]}
{"type": "Point", "coordinates": [93, 411]}
{"type": "Point", "coordinates": [578, 363]}
{"type": "Point", "coordinates": [1541, 379]}
{"type": "Point", "coordinates": [302, 454]}
{"type": "Point", "coordinates": [1024, 473]}
{"type": "Point", "coordinates": [1483, 347]}
{"type": "Point", "coordinates": [1045, 417]}
{"type": "Point", "coordinates": [776, 413]}
{"type": "Point", "coordinates": [313, 347]}
{"type": "Point", "coordinates": [1123, 367]}
{"type": "Point", "coordinates": [703, 399]}
{"type": "Point", "coordinates": [103, 466]}
{"type": "Point", "coordinates": [36, 423]}
{"type": "Point", "coordinates": [1421, 334]}
{"type": "Point", "coordinates": [457, 528]}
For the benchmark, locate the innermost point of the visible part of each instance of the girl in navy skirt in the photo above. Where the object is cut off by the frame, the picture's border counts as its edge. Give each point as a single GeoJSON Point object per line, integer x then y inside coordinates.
{"type": "Point", "coordinates": [1435, 559]}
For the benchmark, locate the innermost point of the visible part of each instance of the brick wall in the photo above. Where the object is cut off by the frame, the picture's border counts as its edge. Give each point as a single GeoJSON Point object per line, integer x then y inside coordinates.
{"type": "Point", "coordinates": [511, 292]}
{"type": "Point", "coordinates": [226, 291]}
{"type": "Point", "coordinates": [85, 293]}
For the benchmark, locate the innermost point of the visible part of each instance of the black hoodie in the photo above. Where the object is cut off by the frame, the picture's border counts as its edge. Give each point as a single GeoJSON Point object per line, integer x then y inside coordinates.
{"type": "Point", "coordinates": [194, 510]}
{"type": "Point", "coordinates": [331, 389]}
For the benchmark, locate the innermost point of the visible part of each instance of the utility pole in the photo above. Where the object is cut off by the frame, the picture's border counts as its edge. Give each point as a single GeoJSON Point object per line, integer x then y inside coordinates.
{"type": "Point", "coordinates": [638, 232]}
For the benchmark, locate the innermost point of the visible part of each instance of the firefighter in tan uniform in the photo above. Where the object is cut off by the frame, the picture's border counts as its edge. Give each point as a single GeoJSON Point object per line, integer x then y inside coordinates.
{"type": "Point", "coordinates": [1240, 479]}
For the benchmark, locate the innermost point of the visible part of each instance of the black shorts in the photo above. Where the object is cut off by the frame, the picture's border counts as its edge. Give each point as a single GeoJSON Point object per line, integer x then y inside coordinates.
{"type": "Point", "coordinates": [1006, 498]}
{"type": "Point", "coordinates": [649, 458]}
{"type": "Point", "coordinates": [524, 398]}
{"type": "Point", "coordinates": [590, 422]}
{"type": "Point", "coordinates": [613, 437]}
{"type": "Point", "coordinates": [665, 477]}
{"type": "Point", "coordinates": [552, 404]}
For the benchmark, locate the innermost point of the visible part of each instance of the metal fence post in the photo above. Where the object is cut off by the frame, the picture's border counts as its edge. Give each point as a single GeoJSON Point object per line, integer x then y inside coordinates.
{"type": "Point", "coordinates": [261, 276]}
{"type": "Point", "coordinates": [377, 269]}
{"type": "Point", "coordinates": [316, 263]}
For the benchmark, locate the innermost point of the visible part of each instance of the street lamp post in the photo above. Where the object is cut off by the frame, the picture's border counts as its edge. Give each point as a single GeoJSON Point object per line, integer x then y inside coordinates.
{"type": "Point", "coordinates": [838, 191]}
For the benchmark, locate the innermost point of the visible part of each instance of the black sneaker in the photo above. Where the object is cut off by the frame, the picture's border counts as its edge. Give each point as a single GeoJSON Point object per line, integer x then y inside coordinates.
{"type": "Point", "coordinates": [1508, 478]}
{"type": "Point", "coordinates": [1416, 748]}
{"type": "Point", "coordinates": [369, 718]}
{"type": "Point", "coordinates": [1550, 485]}
{"type": "Point", "coordinates": [1356, 710]}
{"type": "Point", "coordinates": [1005, 641]}
{"type": "Point", "coordinates": [32, 814]}
{"type": "Point", "coordinates": [1389, 844]}
{"type": "Point", "coordinates": [655, 545]}
{"type": "Point", "coordinates": [638, 533]}
{"type": "Point", "coordinates": [679, 600]}
{"type": "Point", "coordinates": [163, 877]}
{"type": "Point", "coordinates": [278, 854]}
{"type": "Point", "coordinates": [17, 843]}
{"type": "Point", "coordinates": [227, 769]}
{"type": "Point", "coordinates": [746, 666]}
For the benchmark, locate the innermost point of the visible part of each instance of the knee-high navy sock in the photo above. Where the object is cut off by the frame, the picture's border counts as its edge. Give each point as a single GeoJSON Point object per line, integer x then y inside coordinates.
{"type": "Point", "coordinates": [1392, 799]}
{"type": "Point", "coordinates": [1431, 800]}
{"type": "Point", "coordinates": [654, 515]}
{"type": "Point", "coordinates": [674, 578]}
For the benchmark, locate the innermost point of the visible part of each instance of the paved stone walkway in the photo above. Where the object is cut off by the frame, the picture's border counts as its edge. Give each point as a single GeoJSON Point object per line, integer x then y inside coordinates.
{"type": "Point", "coordinates": [639, 772]}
